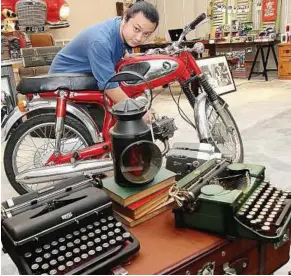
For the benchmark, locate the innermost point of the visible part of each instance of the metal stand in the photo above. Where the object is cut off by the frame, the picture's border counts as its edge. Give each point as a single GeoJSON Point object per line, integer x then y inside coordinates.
{"type": "Point", "coordinates": [260, 48]}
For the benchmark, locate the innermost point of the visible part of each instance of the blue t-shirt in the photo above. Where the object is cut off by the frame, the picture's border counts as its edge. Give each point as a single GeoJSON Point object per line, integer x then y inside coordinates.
{"type": "Point", "coordinates": [95, 50]}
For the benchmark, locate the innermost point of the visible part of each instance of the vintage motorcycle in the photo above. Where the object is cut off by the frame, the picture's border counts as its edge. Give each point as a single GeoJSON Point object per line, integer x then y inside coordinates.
{"type": "Point", "coordinates": [55, 138]}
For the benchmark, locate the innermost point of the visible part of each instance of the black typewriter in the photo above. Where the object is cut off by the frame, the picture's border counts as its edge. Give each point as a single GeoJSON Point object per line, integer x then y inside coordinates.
{"type": "Point", "coordinates": [68, 229]}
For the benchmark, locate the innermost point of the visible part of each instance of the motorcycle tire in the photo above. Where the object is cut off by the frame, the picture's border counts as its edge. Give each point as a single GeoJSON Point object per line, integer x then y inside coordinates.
{"type": "Point", "coordinates": [23, 129]}
{"type": "Point", "coordinates": [239, 151]}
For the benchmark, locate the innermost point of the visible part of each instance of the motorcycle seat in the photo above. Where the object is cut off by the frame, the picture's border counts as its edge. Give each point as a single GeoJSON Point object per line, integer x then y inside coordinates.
{"type": "Point", "coordinates": [53, 82]}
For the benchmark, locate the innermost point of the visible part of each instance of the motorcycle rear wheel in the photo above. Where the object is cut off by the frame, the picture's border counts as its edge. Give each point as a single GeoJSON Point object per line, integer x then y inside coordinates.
{"type": "Point", "coordinates": [228, 143]}
{"type": "Point", "coordinates": [37, 133]}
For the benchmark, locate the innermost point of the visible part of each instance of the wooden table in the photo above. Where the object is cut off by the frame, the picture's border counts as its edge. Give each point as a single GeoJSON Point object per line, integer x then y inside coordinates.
{"type": "Point", "coordinates": [168, 250]}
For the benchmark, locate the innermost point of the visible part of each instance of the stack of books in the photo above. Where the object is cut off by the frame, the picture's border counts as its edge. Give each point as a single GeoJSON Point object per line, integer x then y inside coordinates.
{"type": "Point", "coordinates": [137, 204]}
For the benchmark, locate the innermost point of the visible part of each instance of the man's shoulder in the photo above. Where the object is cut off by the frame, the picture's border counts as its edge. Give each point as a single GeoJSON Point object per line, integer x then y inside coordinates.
{"type": "Point", "coordinates": [103, 31]}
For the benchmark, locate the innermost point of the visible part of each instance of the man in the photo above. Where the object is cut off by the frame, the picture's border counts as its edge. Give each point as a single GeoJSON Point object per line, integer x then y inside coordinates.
{"type": "Point", "coordinates": [99, 48]}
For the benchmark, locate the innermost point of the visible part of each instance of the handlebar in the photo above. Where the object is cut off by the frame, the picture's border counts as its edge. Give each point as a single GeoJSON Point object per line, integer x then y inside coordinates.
{"type": "Point", "coordinates": [197, 21]}
{"type": "Point", "coordinates": [174, 47]}
{"type": "Point", "coordinates": [187, 29]}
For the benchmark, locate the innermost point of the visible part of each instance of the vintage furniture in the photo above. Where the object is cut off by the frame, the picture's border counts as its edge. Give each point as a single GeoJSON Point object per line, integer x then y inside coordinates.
{"type": "Point", "coordinates": [284, 72]}
{"type": "Point", "coordinates": [168, 250]}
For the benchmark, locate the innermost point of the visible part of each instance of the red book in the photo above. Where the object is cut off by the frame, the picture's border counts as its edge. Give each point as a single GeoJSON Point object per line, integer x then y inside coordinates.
{"type": "Point", "coordinates": [139, 203]}
{"type": "Point", "coordinates": [141, 207]}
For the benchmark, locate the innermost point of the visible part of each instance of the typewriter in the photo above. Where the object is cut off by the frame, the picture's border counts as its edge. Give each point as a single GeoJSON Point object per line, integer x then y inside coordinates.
{"type": "Point", "coordinates": [234, 200]}
{"type": "Point", "coordinates": [68, 229]}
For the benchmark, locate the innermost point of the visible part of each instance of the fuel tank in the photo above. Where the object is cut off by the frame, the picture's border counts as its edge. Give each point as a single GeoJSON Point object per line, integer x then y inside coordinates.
{"type": "Point", "coordinates": [158, 70]}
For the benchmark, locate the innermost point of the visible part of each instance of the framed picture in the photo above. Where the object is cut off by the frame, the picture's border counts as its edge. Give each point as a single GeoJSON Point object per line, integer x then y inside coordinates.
{"type": "Point", "coordinates": [218, 74]}
{"type": "Point", "coordinates": [8, 86]}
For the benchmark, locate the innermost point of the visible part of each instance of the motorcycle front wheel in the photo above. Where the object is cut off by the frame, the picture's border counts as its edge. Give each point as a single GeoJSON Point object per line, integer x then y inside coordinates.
{"type": "Point", "coordinates": [33, 142]}
{"type": "Point", "coordinates": [229, 143]}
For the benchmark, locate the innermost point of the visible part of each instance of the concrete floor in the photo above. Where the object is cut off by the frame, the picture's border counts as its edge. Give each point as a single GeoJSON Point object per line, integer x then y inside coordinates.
{"type": "Point", "coordinates": [262, 111]}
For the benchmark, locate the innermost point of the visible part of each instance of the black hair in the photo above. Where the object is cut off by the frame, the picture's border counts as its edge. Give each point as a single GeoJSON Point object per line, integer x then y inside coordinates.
{"type": "Point", "coordinates": [148, 10]}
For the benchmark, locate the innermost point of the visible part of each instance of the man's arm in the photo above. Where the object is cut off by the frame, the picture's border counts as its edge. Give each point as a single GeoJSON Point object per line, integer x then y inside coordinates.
{"type": "Point", "coordinates": [116, 94]}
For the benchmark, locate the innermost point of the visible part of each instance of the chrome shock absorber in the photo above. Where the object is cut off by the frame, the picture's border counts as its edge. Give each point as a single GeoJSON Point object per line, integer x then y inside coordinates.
{"type": "Point", "coordinates": [60, 119]}
{"type": "Point", "coordinates": [214, 100]}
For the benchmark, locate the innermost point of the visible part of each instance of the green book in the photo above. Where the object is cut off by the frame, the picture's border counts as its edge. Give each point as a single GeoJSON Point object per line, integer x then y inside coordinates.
{"type": "Point", "coordinates": [127, 195]}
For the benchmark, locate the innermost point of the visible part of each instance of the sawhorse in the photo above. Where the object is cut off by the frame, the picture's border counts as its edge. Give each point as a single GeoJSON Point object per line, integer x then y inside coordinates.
{"type": "Point", "coordinates": [260, 48]}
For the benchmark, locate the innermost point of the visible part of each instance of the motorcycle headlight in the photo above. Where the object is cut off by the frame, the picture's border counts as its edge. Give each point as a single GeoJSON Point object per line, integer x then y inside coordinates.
{"type": "Point", "coordinates": [64, 12]}
{"type": "Point", "coordinates": [198, 47]}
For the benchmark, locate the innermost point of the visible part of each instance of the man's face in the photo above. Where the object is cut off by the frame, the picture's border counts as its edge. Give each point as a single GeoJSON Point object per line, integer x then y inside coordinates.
{"type": "Point", "coordinates": [137, 29]}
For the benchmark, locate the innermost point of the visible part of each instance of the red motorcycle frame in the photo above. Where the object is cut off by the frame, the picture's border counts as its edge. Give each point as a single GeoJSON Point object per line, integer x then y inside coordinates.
{"type": "Point", "coordinates": [160, 67]}
{"type": "Point", "coordinates": [182, 74]}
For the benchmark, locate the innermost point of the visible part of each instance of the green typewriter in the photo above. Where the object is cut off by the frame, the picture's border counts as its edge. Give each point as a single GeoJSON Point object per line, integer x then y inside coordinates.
{"type": "Point", "coordinates": [232, 199]}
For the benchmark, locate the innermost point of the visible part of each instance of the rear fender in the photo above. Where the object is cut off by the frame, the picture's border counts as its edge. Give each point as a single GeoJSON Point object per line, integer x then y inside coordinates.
{"type": "Point", "coordinates": [37, 106]}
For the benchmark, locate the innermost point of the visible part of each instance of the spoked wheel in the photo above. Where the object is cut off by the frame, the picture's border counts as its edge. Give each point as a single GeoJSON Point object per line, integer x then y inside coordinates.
{"type": "Point", "coordinates": [33, 142]}
{"type": "Point", "coordinates": [229, 143]}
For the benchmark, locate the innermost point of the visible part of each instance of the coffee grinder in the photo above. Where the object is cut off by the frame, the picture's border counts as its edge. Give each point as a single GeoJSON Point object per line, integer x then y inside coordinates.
{"type": "Point", "coordinates": [136, 158]}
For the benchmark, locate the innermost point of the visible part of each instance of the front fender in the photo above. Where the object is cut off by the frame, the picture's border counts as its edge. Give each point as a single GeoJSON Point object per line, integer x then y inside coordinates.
{"type": "Point", "coordinates": [41, 104]}
{"type": "Point", "coordinates": [200, 115]}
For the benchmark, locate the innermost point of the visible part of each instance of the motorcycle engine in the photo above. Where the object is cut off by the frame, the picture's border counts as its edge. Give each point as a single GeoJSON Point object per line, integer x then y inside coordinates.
{"type": "Point", "coordinates": [164, 128]}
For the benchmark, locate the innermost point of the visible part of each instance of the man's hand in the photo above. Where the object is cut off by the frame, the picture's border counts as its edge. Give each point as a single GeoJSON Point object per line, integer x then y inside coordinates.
{"type": "Point", "coordinates": [116, 94]}
{"type": "Point", "coordinates": [147, 117]}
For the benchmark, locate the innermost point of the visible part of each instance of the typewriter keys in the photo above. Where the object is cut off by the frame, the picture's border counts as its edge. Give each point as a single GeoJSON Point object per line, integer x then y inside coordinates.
{"type": "Point", "coordinates": [53, 272]}
{"type": "Point", "coordinates": [47, 256]}
{"type": "Point", "coordinates": [83, 230]}
{"type": "Point", "coordinates": [53, 262]}
{"type": "Point", "coordinates": [67, 251]}
{"type": "Point", "coordinates": [96, 224]}
{"type": "Point", "coordinates": [34, 267]}
{"type": "Point", "coordinates": [38, 260]}
{"type": "Point", "coordinates": [83, 247]}
{"type": "Point", "coordinates": [69, 264]}
{"type": "Point", "coordinates": [126, 235]}
{"type": "Point", "coordinates": [46, 247]}
{"type": "Point", "coordinates": [69, 255]}
{"type": "Point", "coordinates": [61, 259]}
{"type": "Point", "coordinates": [110, 225]}
{"type": "Point", "coordinates": [54, 243]}
{"type": "Point", "coordinates": [55, 252]}
{"type": "Point", "coordinates": [77, 241]}
{"type": "Point", "coordinates": [62, 240]}
{"type": "Point", "coordinates": [90, 227]}
{"type": "Point", "coordinates": [76, 233]}
{"type": "Point", "coordinates": [84, 256]}
{"type": "Point", "coordinates": [77, 260]}
{"type": "Point", "coordinates": [38, 250]}
{"type": "Point", "coordinates": [61, 268]}
{"type": "Point", "coordinates": [27, 255]}
{"type": "Point", "coordinates": [70, 245]}
{"type": "Point", "coordinates": [84, 238]}
{"type": "Point", "coordinates": [69, 236]}
{"type": "Point", "coordinates": [91, 252]}
{"type": "Point", "coordinates": [97, 231]}
{"type": "Point", "coordinates": [112, 242]}
{"type": "Point", "coordinates": [76, 251]}
{"type": "Point", "coordinates": [45, 267]}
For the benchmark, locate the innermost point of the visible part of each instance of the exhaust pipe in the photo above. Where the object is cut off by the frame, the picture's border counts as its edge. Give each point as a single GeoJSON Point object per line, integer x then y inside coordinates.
{"type": "Point", "coordinates": [61, 172]}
